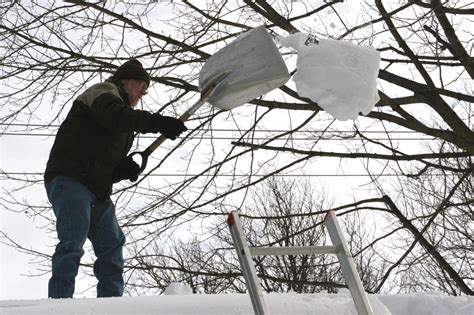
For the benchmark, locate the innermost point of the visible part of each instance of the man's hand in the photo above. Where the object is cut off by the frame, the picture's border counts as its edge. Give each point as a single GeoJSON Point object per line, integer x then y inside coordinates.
{"type": "Point", "coordinates": [168, 126]}
{"type": "Point", "coordinates": [127, 169]}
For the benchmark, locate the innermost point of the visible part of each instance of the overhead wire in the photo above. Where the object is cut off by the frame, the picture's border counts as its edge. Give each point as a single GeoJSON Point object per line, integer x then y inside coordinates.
{"type": "Point", "coordinates": [234, 138]}
{"type": "Point", "coordinates": [241, 175]}
{"type": "Point", "coordinates": [214, 137]}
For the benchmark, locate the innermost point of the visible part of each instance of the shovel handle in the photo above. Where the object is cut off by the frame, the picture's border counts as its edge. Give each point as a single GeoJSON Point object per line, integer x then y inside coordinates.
{"type": "Point", "coordinates": [144, 155]}
{"type": "Point", "coordinates": [155, 144]}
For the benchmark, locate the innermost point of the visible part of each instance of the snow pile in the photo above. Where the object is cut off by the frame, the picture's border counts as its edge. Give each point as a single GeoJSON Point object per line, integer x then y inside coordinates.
{"type": "Point", "coordinates": [432, 303]}
{"type": "Point", "coordinates": [195, 304]}
{"type": "Point", "coordinates": [175, 288]}
{"type": "Point", "coordinates": [340, 76]}
{"type": "Point", "coordinates": [239, 304]}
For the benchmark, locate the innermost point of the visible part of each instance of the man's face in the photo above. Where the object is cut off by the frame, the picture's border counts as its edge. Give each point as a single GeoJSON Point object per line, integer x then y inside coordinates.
{"type": "Point", "coordinates": [135, 90]}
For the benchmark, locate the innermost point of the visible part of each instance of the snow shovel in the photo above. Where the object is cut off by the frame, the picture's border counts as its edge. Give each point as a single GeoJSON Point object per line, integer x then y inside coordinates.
{"type": "Point", "coordinates": [245, 69]}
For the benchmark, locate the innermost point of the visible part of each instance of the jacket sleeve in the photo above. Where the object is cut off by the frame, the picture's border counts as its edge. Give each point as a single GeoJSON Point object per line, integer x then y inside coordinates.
{"type": "Point", "coordinates": [108, 109]}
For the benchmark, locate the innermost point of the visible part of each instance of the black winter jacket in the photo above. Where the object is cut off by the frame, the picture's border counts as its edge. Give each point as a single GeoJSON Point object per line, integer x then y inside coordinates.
{"type": "Point", "coordinates": [96, 134]}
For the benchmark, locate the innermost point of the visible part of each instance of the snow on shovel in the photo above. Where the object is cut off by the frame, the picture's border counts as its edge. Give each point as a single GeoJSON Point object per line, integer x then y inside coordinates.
{"type": "Point", "coordinates": [247, 68]}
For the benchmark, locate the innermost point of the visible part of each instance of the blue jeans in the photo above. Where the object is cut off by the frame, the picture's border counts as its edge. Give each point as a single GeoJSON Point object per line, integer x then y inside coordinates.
{"type": "Point", "coordinates": [80, 215]}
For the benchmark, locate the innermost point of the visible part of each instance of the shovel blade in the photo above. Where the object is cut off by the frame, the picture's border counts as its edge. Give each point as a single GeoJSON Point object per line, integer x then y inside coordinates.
{"type": "Point", "coordinates": [253, 65]}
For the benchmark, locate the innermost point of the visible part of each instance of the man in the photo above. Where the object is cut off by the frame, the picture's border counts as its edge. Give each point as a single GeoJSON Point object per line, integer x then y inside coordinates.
{"type": "Point", "coordinates": [89, 154]}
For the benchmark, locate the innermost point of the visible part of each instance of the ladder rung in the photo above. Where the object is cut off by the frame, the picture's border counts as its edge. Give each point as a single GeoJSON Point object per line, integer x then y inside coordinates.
{"type": "Point", "coordinates": [297, 250]}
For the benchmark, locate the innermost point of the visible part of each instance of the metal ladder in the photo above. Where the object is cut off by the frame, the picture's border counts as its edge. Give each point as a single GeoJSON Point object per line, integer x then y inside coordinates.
{"type": "Point", "coordinates": [339, 248]}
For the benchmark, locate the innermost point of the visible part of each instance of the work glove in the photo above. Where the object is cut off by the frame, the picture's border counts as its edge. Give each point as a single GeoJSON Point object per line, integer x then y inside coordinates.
{"type": "Point", "coordinates": [169, 127]}
{"type": "Point", "coordinates": [127, 169]}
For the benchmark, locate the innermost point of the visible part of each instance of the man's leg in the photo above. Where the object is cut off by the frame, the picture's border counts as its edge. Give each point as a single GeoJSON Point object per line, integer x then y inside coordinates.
{"type": "Point", "coordinates": [107, 239]}
{"type": "Point", "coordinates": [71, 203]}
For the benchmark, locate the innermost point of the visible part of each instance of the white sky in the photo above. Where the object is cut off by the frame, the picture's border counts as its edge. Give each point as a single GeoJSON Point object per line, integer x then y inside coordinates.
{"type": "Point", "coordinates": [31, 156]}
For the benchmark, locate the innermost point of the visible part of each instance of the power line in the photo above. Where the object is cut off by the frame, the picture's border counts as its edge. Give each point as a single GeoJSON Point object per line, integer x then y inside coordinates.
{"type": "Point", "coordinates": [217, 130]}
{"type": "Point", "coordinates": [244, 175]}
{"type": "Point", "coordinates": [235, 138]}
{"type": "Point", "coordinates": [233, 130]}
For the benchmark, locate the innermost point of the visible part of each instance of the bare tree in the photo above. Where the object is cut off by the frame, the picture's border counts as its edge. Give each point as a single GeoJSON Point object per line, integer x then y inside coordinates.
{"type": "Point", "coordinates": [51, 51]}
{"type": "Point", "coordinates": [279, 213]}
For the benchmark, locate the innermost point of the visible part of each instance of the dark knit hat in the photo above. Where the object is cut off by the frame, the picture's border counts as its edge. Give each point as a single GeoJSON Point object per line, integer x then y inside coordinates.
{"type": "Point", "coordinates": [132, 69]}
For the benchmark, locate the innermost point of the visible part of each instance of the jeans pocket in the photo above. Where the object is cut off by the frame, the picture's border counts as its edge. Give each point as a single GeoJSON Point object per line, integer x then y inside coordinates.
{"type": "Point", "coordinates": [53, 187]}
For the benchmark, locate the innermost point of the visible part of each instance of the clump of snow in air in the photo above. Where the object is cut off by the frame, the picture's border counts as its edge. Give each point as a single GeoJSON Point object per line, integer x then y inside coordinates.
{"type": "Point", "coordinates": [340, 76]}
{"type": "Point", "coordinates": [176, 288]}
{"type": "Point", "coordinates": [296, 41]}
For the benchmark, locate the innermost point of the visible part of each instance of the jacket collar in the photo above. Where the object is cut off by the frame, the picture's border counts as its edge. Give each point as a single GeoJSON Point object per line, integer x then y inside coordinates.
{"type": "Point", "coordinates": [123, 93]}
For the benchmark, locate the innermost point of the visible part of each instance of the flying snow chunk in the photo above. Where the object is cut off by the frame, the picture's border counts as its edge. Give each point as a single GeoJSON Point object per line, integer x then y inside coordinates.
{"type": "Point", "coordinates": [340, 76]}
{"type": "Point", "coordinates": [295, 41]}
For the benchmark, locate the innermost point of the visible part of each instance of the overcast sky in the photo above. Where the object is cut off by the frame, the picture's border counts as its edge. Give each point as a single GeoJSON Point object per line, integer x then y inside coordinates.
{"type": "Point", "coordinates": [27, 153]}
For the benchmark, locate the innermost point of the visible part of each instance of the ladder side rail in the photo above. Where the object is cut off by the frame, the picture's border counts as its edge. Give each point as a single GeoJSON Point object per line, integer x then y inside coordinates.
{"type": "Point", "coordinates": [348, 267]}
{"type": "Point", "coordinates": [248, 267]}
